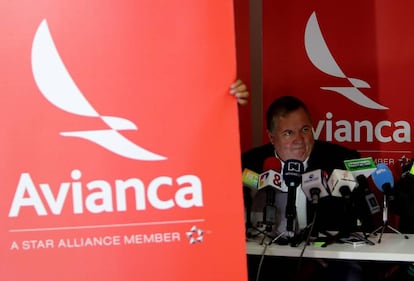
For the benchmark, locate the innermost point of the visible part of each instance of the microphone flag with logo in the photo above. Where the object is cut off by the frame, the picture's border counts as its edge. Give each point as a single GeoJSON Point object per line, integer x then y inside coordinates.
{"type": "Point", "coordinates": [341, 183]}
{"type": "Point", "coordinates": [314, 185]}
{"type": "Point", "coordinates": [271, 176]}
{"type": "Point", "coordinates": [250, 179]}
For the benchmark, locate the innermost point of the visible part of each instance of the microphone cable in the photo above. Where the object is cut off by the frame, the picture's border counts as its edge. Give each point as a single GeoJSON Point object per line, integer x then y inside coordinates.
{"type": "Point", "coordinates": [263, 254]}
{"type": "Point", "coordinates": [308, 236]}
{"type": "Point", "coordinates": [259, 268]}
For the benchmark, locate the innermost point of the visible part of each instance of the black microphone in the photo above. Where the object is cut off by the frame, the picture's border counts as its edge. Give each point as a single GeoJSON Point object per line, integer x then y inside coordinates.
{"type": "Point", "coordinates": [292, 176]}
{"type": "Point", "coordinates": [269, 210]}
{"type": "Point", "coordinates": [366, 204]}
{"type": "Point", "coordinates": [404, 198]}
{"type": "Point", "coordinates": [341, 184]}
{"type": "Point", "coordinates": [369, 197]}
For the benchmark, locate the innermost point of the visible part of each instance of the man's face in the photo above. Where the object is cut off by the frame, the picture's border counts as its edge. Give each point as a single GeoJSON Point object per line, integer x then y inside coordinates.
{"type": "Point", "coordinates": [292, 135]}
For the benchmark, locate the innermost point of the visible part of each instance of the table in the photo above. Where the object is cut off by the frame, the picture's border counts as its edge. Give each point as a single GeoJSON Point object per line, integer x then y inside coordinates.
{"type": "Point", "coordinates": [393, 247]}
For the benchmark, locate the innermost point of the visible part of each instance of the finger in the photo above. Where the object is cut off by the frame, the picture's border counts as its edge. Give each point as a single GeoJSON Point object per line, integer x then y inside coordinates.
{"type": "Point", "coordinates": [243, 95]}
{"type": "Point", "coordinates": [236, 85]}
{"type": "Point", "coordinates": [242, 101]}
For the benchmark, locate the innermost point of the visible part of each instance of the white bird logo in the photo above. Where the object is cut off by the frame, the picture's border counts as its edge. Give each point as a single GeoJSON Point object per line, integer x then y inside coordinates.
{"type": "Point", "coordinates": [321, 57]}
{"type": "Point", "coordinates": [58, 87]}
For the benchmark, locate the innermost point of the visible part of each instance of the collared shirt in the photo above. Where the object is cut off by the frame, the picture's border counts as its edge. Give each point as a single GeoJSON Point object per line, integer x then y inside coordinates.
{"type": "Point", "coordinates": [281, 201]}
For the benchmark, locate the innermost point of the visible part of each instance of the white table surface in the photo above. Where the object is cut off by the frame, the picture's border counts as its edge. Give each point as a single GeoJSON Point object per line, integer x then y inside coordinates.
{"type": "Point", "coordinates": [393, 247]}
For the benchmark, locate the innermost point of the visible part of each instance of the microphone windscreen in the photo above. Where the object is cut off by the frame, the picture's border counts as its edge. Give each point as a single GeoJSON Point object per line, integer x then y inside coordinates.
{"type": "Point", "coordinates": [382, 177]}
{"type": "Point", "coordinates": [272, 163]}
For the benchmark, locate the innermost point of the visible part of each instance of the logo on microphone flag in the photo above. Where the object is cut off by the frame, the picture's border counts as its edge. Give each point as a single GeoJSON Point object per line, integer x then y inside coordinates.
{"type": "Point", "coordinates": [107, 164]}
{"type": "Point", "coordinates": [363, 166]}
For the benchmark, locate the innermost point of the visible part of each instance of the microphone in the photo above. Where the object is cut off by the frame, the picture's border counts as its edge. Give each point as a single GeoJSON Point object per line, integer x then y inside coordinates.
{"type": "Point", "coordinates": [341, 183]}
{"type": "Point", "coordinates": [361, 169]}
{"type": "Point", "coordinates": [404, 198]}
{"type": "Point", "coordinates": [250, 179]}
{"type": "Point", "coordinates": [365, 202]}
{"type": "Point", "coordinates": [272, 163]}
{"type": "Point", "coordinates": [383, 179]}
{"type": "Point", "coordinates": [314, 185]}
{"type": "Point", "coordinates": [269, 211]}
{"type": "Point", "coordinates": [270, 180]}
{"type": "Point", "coordinates": [292, 176]}
{"type": "Point", "coordinates": [370, 199]}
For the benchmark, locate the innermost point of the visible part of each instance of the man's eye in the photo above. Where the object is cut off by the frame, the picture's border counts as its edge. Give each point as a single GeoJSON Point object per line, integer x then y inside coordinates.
{"type": "Point", "coordinates": [287, 133]}
{"type": "Point", "coordinates": [306, 129]}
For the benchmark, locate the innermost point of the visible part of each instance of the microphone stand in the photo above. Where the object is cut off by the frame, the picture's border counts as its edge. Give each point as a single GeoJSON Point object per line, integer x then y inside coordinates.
{"type": "Point", "coordinates": [274, 239]}
{"type": "Point", "coordinates": [269, 217]}
{"type": "Point", "coordinates": [296, 238]}
{"type": "Point", "coordinates": [290, 219]}
{"type": "Point", "coordinates": [346, 232]}
{"type": "Point", "coordinates": [290, 214]}
{"type": "Point", "coordinates": [385, 223]}
{"type": "Point", "coordinates": [265, 232]}
{"type": "Point", "coordinates": [306, 233]}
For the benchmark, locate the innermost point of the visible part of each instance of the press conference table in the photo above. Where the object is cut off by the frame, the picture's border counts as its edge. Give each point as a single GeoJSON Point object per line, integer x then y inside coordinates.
{"type": "Point", "coordinates": [393, 247]}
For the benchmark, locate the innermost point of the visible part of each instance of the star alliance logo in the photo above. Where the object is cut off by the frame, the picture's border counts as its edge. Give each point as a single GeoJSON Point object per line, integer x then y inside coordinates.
{"type": "Point", "coordinates": [319, 54]}
{"type": "Point", "coordinates": [195, 235]}
{"type": "Point", "coordinates": [56, 85]}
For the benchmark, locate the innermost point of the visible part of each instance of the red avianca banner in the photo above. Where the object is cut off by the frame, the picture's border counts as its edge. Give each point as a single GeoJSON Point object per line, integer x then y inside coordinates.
{"type": "Point", "coordinates": [120, 144]}
{"type": "Point", "coordinates": [351, 62]}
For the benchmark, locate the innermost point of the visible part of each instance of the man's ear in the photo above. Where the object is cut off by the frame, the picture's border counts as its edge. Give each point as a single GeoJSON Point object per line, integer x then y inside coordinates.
{"type": "Point", "coordinates": [270, 135]}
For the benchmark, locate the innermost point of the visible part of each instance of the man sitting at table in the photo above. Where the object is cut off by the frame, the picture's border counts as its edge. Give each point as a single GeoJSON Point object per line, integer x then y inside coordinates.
{"type": "Point", "coordinates": [290, 131]}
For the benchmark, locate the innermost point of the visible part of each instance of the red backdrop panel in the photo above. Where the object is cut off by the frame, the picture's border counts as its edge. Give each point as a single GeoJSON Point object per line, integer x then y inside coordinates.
{"type": "Point", "coordinates": [350, 62]}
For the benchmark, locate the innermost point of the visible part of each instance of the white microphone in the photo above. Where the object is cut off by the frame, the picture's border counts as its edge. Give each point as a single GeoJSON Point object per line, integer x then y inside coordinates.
{"type": "Point", "coordinates": [314, 185]}
{"type": "Point", "coordinates": [341, 183]}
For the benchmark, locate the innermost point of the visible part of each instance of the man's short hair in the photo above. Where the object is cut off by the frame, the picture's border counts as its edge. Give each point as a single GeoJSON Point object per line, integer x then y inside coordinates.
{"type": "Point", "coordinates": [281, 107]}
